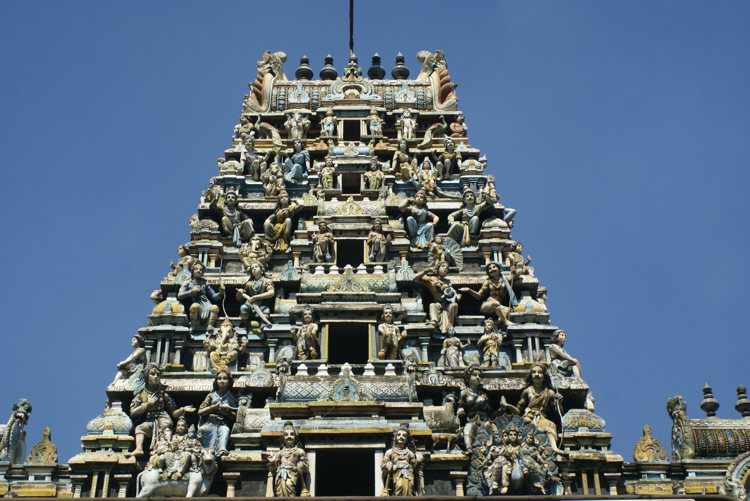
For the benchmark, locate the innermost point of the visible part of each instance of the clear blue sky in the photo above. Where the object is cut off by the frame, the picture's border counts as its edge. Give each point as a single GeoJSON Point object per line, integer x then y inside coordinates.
{"type": "Point", "coordinates": [618, 130]}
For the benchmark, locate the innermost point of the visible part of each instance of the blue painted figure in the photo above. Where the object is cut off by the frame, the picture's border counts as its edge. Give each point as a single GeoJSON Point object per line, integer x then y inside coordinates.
{"type": "Point", "coordinates": [420, 222]}
{"type": "Point", "coordinates": [297, 166]}
{"type": "Point", "coordinates": [216, 413]}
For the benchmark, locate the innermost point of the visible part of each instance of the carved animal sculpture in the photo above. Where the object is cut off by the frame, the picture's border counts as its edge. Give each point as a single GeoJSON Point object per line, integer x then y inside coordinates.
{"type": "Point", "coordinates": [443, 422]}
{"type": "Point", "coordinates": [197, 484]}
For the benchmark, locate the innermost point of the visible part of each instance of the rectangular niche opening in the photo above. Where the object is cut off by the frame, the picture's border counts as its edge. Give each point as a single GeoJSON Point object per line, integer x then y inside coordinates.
{"type": "Point", "coordinates": [350, 251]}
{"type": "Point", "coordinates": [345, 472]}
{"type": "Point", "coordinates": [348, 342]}
{"type": "Point", "coordinates": [351, 130]}
{"type": "Point", "coordinates": [351, 183]}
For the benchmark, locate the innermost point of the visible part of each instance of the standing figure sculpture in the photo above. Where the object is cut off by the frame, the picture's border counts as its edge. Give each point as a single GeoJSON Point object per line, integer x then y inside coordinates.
{"type": "Point", "coordinates": [420, 222]}
{"type": "Point", "coordinates": [186, 259]}
{"type": "Point", "coordinates": [377, 242]}
{"type": "Point", "coordinates": [202, 298]}
{"type": "Point", "coordinates": [289, 466]}
{"type": "Point", "coordinates": [449, 160]}
{"type": "Point", "coordinates": [444, 306]}
{"type": "Point", "coordinates": [13, 444]}
{"type": "Point", "coordinates": [400, 466]}
{"type": "Point", "coordinates": [256, 296]}
{"type": "Point", "coordinates": [155, 408]}
{"type": "Point", "coordinates": [407, 125]}
{"type": "Point", "coordinates": [306, 336]}
{"type": "Point", "coordinates": [465, 222]}
{"type": "Point", "coordinates": [489, 343]}
{"type": "Point", "coordinates": [328, 124]}
{"type": "Point", "coordinates": [223, 347]}
{"type": "Point", "coordinates": [374, 176]}
{"type": "Point", "coordinates": [493, 292]}
{"type": "Point", "coordinates": [473, 405]}
{"type": "Point", "coordinates": [328, 174]}
{"type": "Point", "coordinates": [217, 412]}
{"type": "Point", "coordinates": [134, 363]}
{"type": "Point", "coordinates": [297, 165]}
{"type": "Point", "coordinates": [234, 223]}
{"type": "Point", "coordinates": [452, 353]}
{"type": "Point", "coordinates": [403, 164]}
{"type": "Point", "coordinates": [560, 360]}
{"type": "Point", "coordinates": [323, 244]}
{"type": "Point", "coordinates": [391, 336]}
{"type": "Point", "coordinates": [278, 226]}
{"type": "Point", "coordinates": [374, 124]}
{"type": "Point", "coordinates": [296, 126]}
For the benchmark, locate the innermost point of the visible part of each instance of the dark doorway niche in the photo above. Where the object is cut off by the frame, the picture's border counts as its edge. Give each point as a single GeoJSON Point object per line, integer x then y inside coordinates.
{"type": "Point", "coordinates": [349, 251]}
{"type": "Point", "coordinates": [351, 130]}
{"type": "Point", "coordinates": [351, 183]}
{"type": "Point", "coordinates": [345, 472]}
{"type": "Point", "coordinates": [348, 342]}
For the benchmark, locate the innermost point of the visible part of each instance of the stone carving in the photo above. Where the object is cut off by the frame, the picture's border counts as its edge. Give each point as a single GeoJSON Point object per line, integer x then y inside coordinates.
{"type": "Point", "coordinates": [112, 421]}
{"type": "Point", "coordinates": [306, 336]}
{"type": "Point", "coordinates": [406, 125]}
{"type": "Point", "coordinates": [243, 127]}
{"type": "Point", "coordinates": [459, 128]}
{"type": "Point", "coordinates": [270, 69]}
{"type": "Point", "coordinates": [490, 343]}
{"type": "Point", "coordinates": [13, 443]}
{"type": "Point", "coordinates": [374, 177]}
{"type": "Point", "coordinates": [229, 167]}
{"type": "Point", "coordinates": [443, 422]}
{"type": "Point", "coordinates": [374, 124]}
{"type": "Point", "coordinates": [444, 307]}
{"type": "Point", "coordinates": [328, 124]}
{"type": "Point", "coordinates": [420, 222]}
{"type": "Point", "coordinates": [201, 297]}
{"type": "Point", "coordinates": [223, 346]}
{"type": "Point", "coordinates": [234, 223]}
{"type": "Point", "coordinates": [323, 249]}
{"type": "Point", "coordinates": [296, 126]}
{"type": "Point", "coordinates": [328, 174]}
{"type": "Point", "coordinates": [649, 448]}
{"type": "Point", "coordinates": [452, 353]}
{"type": "Point", "coordinates": [562, 363]}
{"type": "Point", "coordinates": [377, 242]}
{"type": "Point", "coordinates": [683, 440]}
{"type": "Point", "coordinates": [435, 130]}
{"type": "Point", "coordinates": [518, 266]}
{"type": "Point", "coordinates": [273, 180]}
{"type": "Point", "coordinates": [493, 292]}
{"type": "Point", "coordinates": [449, 160]}
{"type": "Point", "coordinates": [445, 249]}
{"type": "Point", "coordinates": [253, 162]}
{"type": "Point", "coordinates": [257, 249]}
{"type": "Point", "coordinates": [465, 222]}
{"type": "Point", "coordinates": [256, 297]}
{"type": "Point", "coordinates": [44, 451]}
{"type": "Point", "coordinates": [403, 164]}
{"type": "Point", "coordinates": [278, 226]}
{"type": "Point", "coordinates": [473, 405]}
{"type": "Point", "coordinates": [217, 413]}
{"type": "Point", "coordinates": [297, 165]}
{"type": "Point", "coordinates": [391, 336]}
{"type": "Point", "coordinates": [134, 363]}
{"type": "Point", "coordinates": [289, 273]}
{"type": "Point", "coordinates": [426, 177]}
{"type": "Point", "coordinates": [181, 270]}
{"type": "Point", "coordinates": [155, 409]}
{"type": "Point", "coordinates": [289, 466]}
{"type": "Point", "coordinates": [401, 466]}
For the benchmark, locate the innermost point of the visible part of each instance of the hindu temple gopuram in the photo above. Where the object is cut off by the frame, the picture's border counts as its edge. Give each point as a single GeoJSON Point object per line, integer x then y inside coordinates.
{"type": "Point", "coordinates": [351, 316]}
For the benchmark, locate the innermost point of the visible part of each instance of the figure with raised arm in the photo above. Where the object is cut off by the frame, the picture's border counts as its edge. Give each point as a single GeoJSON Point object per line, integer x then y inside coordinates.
{"type": "Point", "coordinates": [202, 298]}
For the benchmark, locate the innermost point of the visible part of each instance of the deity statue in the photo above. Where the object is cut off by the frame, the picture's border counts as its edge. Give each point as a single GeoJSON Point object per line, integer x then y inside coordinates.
{"type": "Point", "coordinates": [253, 161]}
{"type": "Point", "coordinates": [426, 177]}
{"type": "Point", "coordinates": [278, 226]}
{"type": "Point", "coordinates": [217, 412]}
{"type": "Point", "coordinates": [256, 297]}
{"type": "Point", "coordinates": [328, 124]}
{"type": "Point", "coordinates": [257, 249]}
{"type": "Point", "coordinates": [234, 222]}
{"type": "Point", "coordinates": [374, 177]}
{"type": "Point", "coordinates": [296, 126]}
{"type": "Point", "coordinates": [184, 263]}
{"type": "Point", "coordinates": [403, 164]}
{"type": "Point", "coordinates": [377, 242]}
{"type": "Point", "coordinates": [328, 174]}
{"type": "Point", "coordinates": [155, 407]}
{"type": "Point", "coordinates": [473, 405]}
{"type": "Point", "coordinates": [465, 222]}
{"type": "Point", "coordinates": [400, 466]}
{"type": "Point", "coordinates": [420, 222]}
{"type": "Point", "coordinates": [273, 180]}
{"type": "Point", "coordinates": [459, 128]}
{"type": "Point", "coordinates": [448, 160]}
{"type": "Point", "coordinates": [563, 363]}
{"type": "Point", "coordinates": [244, 127]}
{"type": "Point", "coordinates": [493, 292]}
{"type": "Point", "coordinates": [174, 457]}
{"type": "Point", "coordinates": [444, 306]}
{"type": "Point", "coordinates": [297, 165]}
{"type": "Point", "coordinates": [323, 244]}
{"type": "Point", "coordinates": [452, 353]}
{"type": "Point", "coordinates": [407, 125]}
{"type": "Point", "coordinates": [518, 266]}
{"type": "Point", "coordinates": [374, 124]}
{"type": "Point", "coordinates": [223, 346]}
{"type": "Point", "coordinates": [391, 336]}
{"type": "Point", "coordinates": [489, 343]}
{"type": "Point", "coordinates": [13, 444]}
{"type": "Point", "coordinates": [135, 362]}
{"type": "Point", "coordinates": [201, 297]}
{"type": "Point", "coordinates": [306, 336]}
{"type": "Point", "coordinates": [289, 466]}
{"type": "Point", "coordinates": [498, 462]}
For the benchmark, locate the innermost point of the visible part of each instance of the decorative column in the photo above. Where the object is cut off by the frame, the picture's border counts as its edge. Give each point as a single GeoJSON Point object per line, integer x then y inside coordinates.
{"type": "Point", "coordinates": [94, 481]}
{"type": "Point", "coordinates": [231, 478]}
{"type": "Point", "coordinates": [378, 475]}
{"type": "Point", "coordinates": [459, 478]}
{"type": "Point", "coordinates": [311, 457]}
{"type": "Point", "coordinates": [272, 343]}
{"type": "Point", "coordinates": [78, 481]}
{"type": "Point", "coordinates": [123, 480]}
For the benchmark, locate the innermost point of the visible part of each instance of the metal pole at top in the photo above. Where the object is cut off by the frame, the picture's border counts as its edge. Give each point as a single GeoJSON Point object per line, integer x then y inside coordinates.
{"type": "Point", "coordinates": [351, 27]}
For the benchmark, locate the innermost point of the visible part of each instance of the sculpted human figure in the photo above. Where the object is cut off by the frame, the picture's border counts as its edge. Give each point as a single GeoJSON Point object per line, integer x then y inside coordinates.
{"type": "Point", "coordinates": [297, 165]}
{"type": "Point", "coordinates": [497, 464]}
{"type": "Point", "coordinates": [565, 364]}
{"type": "Point", "coordinates": [444, 306]}
{"type": "Point", "coordinates": [223, 347]}
{"type": "Point", "coordinates": [426, 177]}
{"type": "Point", "coordinates": [377, 242]}
{"type": "Point", "coordinates": [176, 456]}
{"type": "Point", "coordinates": [273, 180]}
{"type": "Point", "coordinates": [185, 261]}
{"type": "Point", "coordinates": [453, 351]}
{"type": "Point", "coordinates": [254, 162]}
{"type": "Point", "coordinates": [420, 222]}
{"type": "Point", "coordinates": [328, 124]}
{"type": "Point", "coordinates": [278, 226]}
{"type": "Point", "coordinates": [234, 222]}
{"type": "Point", "coordinates": [459, 128]}
{"type": "Point", "coordinates": [296, 126]}
{"type": "Point", "coordinates": [217, 413]}
{"type": "Point", "coordinates": [289, 466]}
{"type": "Point", "coordinates": [448, 160]}
{"type": "Point", "coordinates": [306, 336]}
{"type": "Point", "coordinates": [244, 127]}
{"type": "Point", "coordinates": [465, 222]}
{"type": "Point", "coordinates": [473, 405]}
{"type": "Point", "coordinates": [391, 336]}
{"type": "Point", "coordinates": [489, 343]}
{"type": "Point", "coordinates": [153, 406]}
{"type": "Point", "coordinates": [407, 125]}
{"type": "Point", "coordinates": [134, 363]}
{"type": "Point", "coordinates": [323, 244]}
{"type": "Point", "coordinates": [403, 164]}
{"type": "Point", "coordinates": [374, 177]}
{"type": "Point", "coordinates": [518, 266]}
{"type": "Point", "coordinates": [374, 123]}
{"type": "Point", "coordinates": [493, 292]}
{"type": "Point", "coordinates": [328, 174]}
{"type": "Point", "coordinates": [202, 298]}
{"type": "Point", "coordinates": [256, 297]}
{"type": "Point", "coordinates": [400, 464]}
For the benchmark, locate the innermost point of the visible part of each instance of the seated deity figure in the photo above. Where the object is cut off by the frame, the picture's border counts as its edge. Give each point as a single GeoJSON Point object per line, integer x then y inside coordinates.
{"type": "Point", "coordinates": [154, 408]}
{"type": "Point", "coordinates": [234, 223]}
{"type": "Point", "coordinates": [400, 465]}
{"type": "Point", "coordinates": [444, 306]}
{"type": "Point", "coordinates": [564, 363]}
{"type": "Point", "coordinates": [223, 346]}
{"type": "Point", "coordinates": [201, 297]}
{"type": "Point", "coordinates": [426, 177]}
{"type": "Point", "coordinates": [493, 292]}
{"type": "Point", "coordinates": [323, 244]}
{"type": "Point", "coordinates": [244, 127]}
{"type": "Point", "coordinates": [278, 226]}
{"type": "Point", "coordinates": [297, 165]}
{"type": "Point", "coordinates": [420, 222]}
{"type": "Point", "coordinates": [306, 336]}
{"type": "Point", "coordinates": [403, 164]}
{"type": "Point", "coordinates": [328, 124]}
{"type": "Point", "coordinates": [175, 457]}
{"type": "Point", "coordinates": [377, 242]}
{"type": "Point", "coordinates": [449, 160]}
{"type": "Point", "coordinates": [253, 161]}
{"type": "Point", "coordinates": [289, 466]}
{"type": "Point", "coordinates": [407, 125]}
{"type": "Point", "coordinates": [328, 174]}
{"type": "Point", "coordinates": [296, 126]}
{"type": "Point", "coordinates": [256, 297]}
{"type": "Point", "coordinates": [459, 128]}
{"type": "Point", "coordinates": [273, 180]}
{"type": "Point", "coordinates": [391, 336]}
{"type": "Point", "coordinates": [135, 362]}
{"type": "Point", "coordinates": [490, 343]}
{"type": "Point", "coordinates": [515, 261]}
{"type": "Point", "coordinates": [217, 412]}
{"type": "Point", "coordinates": [465, 222]}
{"type": "Point", "coordinates": [374, 177]}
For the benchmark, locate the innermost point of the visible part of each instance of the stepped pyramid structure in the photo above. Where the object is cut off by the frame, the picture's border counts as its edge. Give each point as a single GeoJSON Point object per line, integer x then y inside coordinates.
{"type": "Point", "coordinates": [351, 316]}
